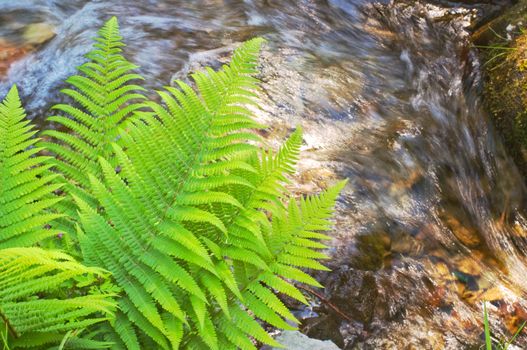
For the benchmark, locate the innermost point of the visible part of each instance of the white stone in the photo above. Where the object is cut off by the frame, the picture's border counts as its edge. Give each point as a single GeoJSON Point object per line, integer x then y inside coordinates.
{"type": "Point", "coordinates": [294, 340]}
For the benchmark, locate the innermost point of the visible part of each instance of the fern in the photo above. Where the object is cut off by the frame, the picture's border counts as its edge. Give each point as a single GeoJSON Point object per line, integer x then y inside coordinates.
{"type": "Point", "coordinates": [104, 96]}
{"type": "Point", "coordinates": [182, 226]}
{"type": "Point", "coordinates": [27, 318]}
{"type": "Point", "coordinates": [25, 184]}
{"type": "Point", "coordinates": [291, 237]}
{"type": "Point", "coordinates": [36, 321]}
{"type": "Point", "coordinates": [179, 200]}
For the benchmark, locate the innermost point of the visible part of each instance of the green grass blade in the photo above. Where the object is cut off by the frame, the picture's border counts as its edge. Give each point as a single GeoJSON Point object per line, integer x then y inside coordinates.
{"type": "Point", "coordinates": [488, 340]}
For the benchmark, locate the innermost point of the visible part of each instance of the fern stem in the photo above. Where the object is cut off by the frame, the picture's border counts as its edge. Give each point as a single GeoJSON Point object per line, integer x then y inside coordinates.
{"type": "Point", "coordinates": [9, 327]}
{"type": "Point", "coordinates": [325, 301]}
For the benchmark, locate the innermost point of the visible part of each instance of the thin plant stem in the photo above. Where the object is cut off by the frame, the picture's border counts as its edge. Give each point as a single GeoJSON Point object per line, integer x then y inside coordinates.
{"type": "Point", "coordinates": [488, 340]}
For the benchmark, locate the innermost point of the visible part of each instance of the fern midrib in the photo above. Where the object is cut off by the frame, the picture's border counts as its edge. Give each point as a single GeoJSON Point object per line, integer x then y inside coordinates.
{"type": "Point", "coordinates": [105, 140]}
{"type": "Point", "coordinates": [4, 149]}
{"type": "Point", "coordinates": [10, 328]}
{"type": "Point", "coordinates": [101, 148]}
{"type": "Point", "coordinates": [196, 160]}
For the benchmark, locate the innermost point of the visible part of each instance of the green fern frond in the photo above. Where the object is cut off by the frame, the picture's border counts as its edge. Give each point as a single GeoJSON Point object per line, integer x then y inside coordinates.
{"type": "Point", "coordinates": [26, 186]}
{"type": "Point", "coordinates": [160, 212]}
{"type": "Point", "coordinates": [288, 224]}
{"type": "Point", "coordinates": [30, 280]}
{"type": "Point", "coordinates": [30, 319]}
{"type": "Point", "coordinates": [190, 200]}
{"type": "Point", "coordinates": [104, 97]}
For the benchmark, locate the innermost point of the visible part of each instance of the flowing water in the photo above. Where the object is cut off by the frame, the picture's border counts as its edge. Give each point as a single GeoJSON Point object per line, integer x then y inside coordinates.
{"type": "Point", "coordinates": [431, 222]}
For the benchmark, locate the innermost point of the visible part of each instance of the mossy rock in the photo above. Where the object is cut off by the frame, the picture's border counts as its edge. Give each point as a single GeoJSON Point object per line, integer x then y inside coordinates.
{"type": "Point", "coordinates": [505, 90]}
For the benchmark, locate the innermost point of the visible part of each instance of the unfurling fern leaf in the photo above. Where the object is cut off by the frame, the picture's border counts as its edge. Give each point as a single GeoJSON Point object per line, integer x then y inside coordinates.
{"type": "Point", "coordinates": [35, 308]}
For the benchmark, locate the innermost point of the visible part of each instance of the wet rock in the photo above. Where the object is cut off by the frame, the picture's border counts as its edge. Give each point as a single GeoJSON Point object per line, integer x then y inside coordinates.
{"type": "Point", "coordinates": [354, 293]}
{"type": "Point", "coordinates": [470, 266]}
{"type": "Point", "coordinates": [508, 17]}
{"type": "Point", "coordinates": [492, 294]}
{"type": "Point", "coordinates": [405, 244]}
{"type": "Point", "coordinates": [515, 319]}
{"type": "Point", "coordinates": [315, 179]}
{"type": "Point", "coordinates": [325, 327]}
{"type": "Point", "coordinates": [412, 336]}
{"type": "Point", "coordinates": [370, 251]}
{"type": "Point", "coordinates": [466, 234]}
{"type": "Point", "coordinates": [469, 282]}
{"type": "Point", "coordinates": [33, 35]}
{"type": "Point", "coordinates": [520, 230]}
{"type": "Point", "coordinates": [407, 183]}
{"type": "Point", "coordinates": [480, 12]}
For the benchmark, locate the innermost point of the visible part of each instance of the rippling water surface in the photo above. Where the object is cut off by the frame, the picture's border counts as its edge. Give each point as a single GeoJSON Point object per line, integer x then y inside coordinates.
{"type": "Point", "coordinates": [432, 220]}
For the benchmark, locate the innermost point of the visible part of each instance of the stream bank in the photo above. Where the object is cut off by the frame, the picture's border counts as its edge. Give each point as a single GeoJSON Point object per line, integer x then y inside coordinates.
{"type": "Point", "coordinates": [503, 43]}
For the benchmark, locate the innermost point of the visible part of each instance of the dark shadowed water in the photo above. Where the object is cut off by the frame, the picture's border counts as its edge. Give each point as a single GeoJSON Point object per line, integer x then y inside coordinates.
{"type": "Point", "coordinates": [431, 223]}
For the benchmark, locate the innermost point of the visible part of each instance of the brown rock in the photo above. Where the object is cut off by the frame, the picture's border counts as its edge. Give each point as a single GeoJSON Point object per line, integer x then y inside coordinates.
{"type": "Point", "coordinates": [440, 272]}
{"type": "Point", "coordinates": [437, 297]}
{"type": "Point", "coordinates": [459, 288]}
{"type": "Point", "coordinates": [34, 34]}
{"type": "Point", "coordinates": [520, 311]}
{"type": "Point", "coordinates": [406, 244]}
{"type": "Point", "coordinates": [315, 179]}
{"type": "Point", "coordinates": [371, 250]}
{"type": "Point", "coordinates": [409, 181]}
{"type": "Point", "coordinates": [354, 293]}
{"type": "Point", "coordinates": [519, 230]}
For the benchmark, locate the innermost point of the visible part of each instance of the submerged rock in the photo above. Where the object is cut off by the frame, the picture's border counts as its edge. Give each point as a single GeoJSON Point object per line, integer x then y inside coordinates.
{"type": "Point", "coordinates": [325, 327]}
{"type": "Point", "coordinates": [19, 45]}
{"type": "Point", "coordinates": [38, 33]}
